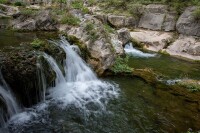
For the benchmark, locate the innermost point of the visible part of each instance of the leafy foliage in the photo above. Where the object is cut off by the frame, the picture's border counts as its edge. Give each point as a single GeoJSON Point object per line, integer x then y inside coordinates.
{"type": "Point", "coordinates": [121, 66]}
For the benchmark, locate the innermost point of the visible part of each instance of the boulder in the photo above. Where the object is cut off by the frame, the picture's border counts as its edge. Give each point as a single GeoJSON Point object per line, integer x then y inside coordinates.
{"type": "Point", "coordinates": [124, 35]}
{"type": "Point", "coordinates": [157, 17]}
{"type": "Point", "coordinates": [185, 46]}
{"type": "Point", "coordinates": [187, 24]}
{"type": "Point", "coordinates": [152, 40]}
{"type": "Point", "coordinates": [116, 21]}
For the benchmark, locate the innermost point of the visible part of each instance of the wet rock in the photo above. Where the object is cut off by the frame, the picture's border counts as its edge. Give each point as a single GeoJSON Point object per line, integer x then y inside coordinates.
{"type": "Point", "coordinates": [19, 68]}
{"type": "Point", "coordinates": [187, 24]}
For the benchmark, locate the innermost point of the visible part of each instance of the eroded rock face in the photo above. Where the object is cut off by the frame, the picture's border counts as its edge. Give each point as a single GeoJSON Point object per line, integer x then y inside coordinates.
{"type": "Point", "coordinates": [187, 24]}
{"type": "Point", "coordinates": [42, 21]}
{"type": "Point", "coordinates": [157, 17]}
{"type": "Point", "coordinates": [102, 51]}
{"type": "Point", "coordinates": [185, 46]}
{"type": "Point", "coordinates": [152, 40]}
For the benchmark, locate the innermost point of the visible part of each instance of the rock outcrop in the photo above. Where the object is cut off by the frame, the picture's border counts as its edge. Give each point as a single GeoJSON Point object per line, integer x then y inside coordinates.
{"type": "Point", "coordinates": [124, 35]}
{"type": "Point", "coordinates": [7, 11]}
{"type": "Point", "coordinates": [42, 21]}
{"type": "Point", "coordinates": [157, 17]}
{"type": "Point", "coordinates": [187, 24]}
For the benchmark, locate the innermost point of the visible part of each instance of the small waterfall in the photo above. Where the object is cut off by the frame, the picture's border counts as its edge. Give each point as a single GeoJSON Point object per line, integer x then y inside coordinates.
{"type": "Point", "coordinates": [42, 85]}
{"type": "Point", "coordinates": [137, 53]}
{"type": "Point", "coordinates": [11, 106]}
{"type": "Point", "coordinates": [59, 75]}
{"type": "Point", "coordinates": [75, 68]}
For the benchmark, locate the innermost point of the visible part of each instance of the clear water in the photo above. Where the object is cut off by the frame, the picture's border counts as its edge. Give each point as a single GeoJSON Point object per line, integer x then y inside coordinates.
{"type": "Point", "coordinates": [168, 66]}
{"type": "Point", "coordinates": [112, 105]}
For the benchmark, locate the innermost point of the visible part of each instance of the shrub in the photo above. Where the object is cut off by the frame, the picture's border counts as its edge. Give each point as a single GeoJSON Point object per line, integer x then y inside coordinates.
{"type": "Point", "coordinates": [121, 65]}
{"type": "Point", "coordinates": [70, 20]}
{"type": "Point", "coordinates": [18, 3]}
{"type": "Point", "coordinates": [196, 14]}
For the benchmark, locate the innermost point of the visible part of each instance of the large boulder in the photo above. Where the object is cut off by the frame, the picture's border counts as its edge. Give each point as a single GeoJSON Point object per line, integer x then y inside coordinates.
{"type": "Point", "coordinates": [42, 21]}
{"type": "Point", "coordinates": [187, 24]}
{"type": "Point", "coordinates": [185, 46]}
{"type": "Point", "coordinates": [157, 17]}
{"type": "Point", "coordinates": [152, 40]}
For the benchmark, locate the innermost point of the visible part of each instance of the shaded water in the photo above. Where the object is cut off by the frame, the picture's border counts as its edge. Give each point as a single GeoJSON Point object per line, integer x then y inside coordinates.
{"type": "Point", "coordinates": [168, 66]}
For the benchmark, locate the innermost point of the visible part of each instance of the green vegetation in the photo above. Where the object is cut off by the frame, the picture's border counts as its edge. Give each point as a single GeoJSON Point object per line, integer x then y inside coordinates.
{"type": "Point", "coordinates": [108, 28]}
{"type": "Point", "coordinates": [70, 20]}
{"type": "Point", "coordinates": [37, 43]}
{"type": "Point", "coordinates": [196, 14]}
{"type": "Point", "coordinates": [79, 4]}
{"type": "Point", "coordinates": [18, 3]}
{"type": "Point", "coordinates": [91, 32]}
{"type": "Point", "coordinates": [134, 7]}
{"type": "Point", "coordinates": [121, 65]}
{"type": "Point", "coordinates": [3, 1]}
{"type": "Point", "coordinates": [29, 12]}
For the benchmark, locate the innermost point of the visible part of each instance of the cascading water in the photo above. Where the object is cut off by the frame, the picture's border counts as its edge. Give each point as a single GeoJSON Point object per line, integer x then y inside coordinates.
{"type": "Point", "coordinates": [9, 101]}
{"type": "Point", "coordinates": [79, 92]}
{"type": "Point", "coordinates": [137, 53]}
{"type": "Point", "coordinates": [82, 86]}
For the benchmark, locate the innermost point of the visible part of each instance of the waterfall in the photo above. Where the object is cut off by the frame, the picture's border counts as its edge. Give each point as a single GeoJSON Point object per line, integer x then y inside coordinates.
{"type": "Point", "coordinates": [75, 68]}
{"type": "Point", "coordinates": [9, 101]}
{"type": "Point", "coordinates": [81, 87]}
{"type": "Point", "coordinates": [136, 53]}
{"type": "Point", "coordinates": [41, 80]}
{"type": "Point", "coordinates": [59, 75]}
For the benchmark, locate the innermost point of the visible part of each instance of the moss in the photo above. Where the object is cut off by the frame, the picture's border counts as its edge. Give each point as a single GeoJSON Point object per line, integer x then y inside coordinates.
{"type": "Point", "coordinates": [37, 43]}
{"type": "Point", "coordinates": [84, 51]}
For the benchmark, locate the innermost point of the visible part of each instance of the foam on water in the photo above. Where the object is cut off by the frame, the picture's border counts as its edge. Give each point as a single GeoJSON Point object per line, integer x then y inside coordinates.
{"type": "Point", "coordinates": [135, 52]}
